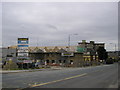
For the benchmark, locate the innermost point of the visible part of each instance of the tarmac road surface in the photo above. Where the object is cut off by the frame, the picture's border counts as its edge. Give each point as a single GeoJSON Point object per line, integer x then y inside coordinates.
{"type": "Point", "coordinates": [103, 76]}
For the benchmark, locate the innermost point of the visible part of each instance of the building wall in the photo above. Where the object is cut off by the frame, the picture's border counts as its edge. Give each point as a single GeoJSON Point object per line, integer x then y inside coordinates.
{"type": "Point", "coordinates": [77, 59]}
{"type": "Point", "coordinates": [90, 45]}
{"type": "Point", "coordinates": [8, 53]}
{"type": "Point", "coordinates": [113, 54]}
{"type": "Point", "coordinates": [58, 59]}
{"type": "Point", "coordinates": [90, 50]}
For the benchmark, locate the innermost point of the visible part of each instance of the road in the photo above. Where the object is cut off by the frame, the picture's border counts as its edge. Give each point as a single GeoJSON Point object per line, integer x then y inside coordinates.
{"type": "Point", "coordinates": [104, 76]}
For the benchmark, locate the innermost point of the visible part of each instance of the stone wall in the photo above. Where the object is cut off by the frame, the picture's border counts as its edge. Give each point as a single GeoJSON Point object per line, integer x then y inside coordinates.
{"type": "Point", "coordinates": [56, 58]}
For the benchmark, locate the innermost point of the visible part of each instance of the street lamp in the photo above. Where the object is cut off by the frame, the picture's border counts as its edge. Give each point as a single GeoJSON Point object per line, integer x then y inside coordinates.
{"type": "Point", "coordinates": [116, 53]}
{"type": "Point", "coordinates": [69, 40]}
{"type": "Point", "coordinates": [115, 45]}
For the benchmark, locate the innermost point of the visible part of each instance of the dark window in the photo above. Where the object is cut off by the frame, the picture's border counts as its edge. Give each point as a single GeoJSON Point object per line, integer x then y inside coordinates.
{"type": "Point", "coordinates": [64, 61]}
{"type": "Point", "coordinates": [71, 61]}
{"type": "Point", "coordinates": [9, 55]}
{"type": "Point", "coordinates": [53, 61]}
{"type": "Point", "coordinates": [47, 61]}
{"type": "Point", "coordinates": [59, 61]}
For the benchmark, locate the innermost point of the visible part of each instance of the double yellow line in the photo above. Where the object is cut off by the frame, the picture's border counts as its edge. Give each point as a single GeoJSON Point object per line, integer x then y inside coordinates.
{"type": "Point", "coordinates": [58, 80]}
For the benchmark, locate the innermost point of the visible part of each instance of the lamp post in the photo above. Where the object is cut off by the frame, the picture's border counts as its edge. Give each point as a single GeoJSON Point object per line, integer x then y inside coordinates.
{"type": "Point", "coordinates": [116, 53]}
{"type": "Point", "coordinates": [69, 38]}
{"type": "Point", "coordinates": [115, 46]}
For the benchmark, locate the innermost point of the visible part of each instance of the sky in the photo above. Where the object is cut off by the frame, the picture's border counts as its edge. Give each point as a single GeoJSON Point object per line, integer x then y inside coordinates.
{"type": "Point", "coordinates": [51, 23]}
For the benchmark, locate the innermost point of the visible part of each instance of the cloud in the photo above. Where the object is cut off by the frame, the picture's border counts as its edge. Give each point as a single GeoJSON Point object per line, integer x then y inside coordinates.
{"type": "Point", "coordinates": [52, 22]}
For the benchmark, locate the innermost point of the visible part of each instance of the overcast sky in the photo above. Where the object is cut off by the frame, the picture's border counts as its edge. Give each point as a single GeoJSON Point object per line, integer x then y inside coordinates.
{"type": "Point", "coordinates": [50, 23]}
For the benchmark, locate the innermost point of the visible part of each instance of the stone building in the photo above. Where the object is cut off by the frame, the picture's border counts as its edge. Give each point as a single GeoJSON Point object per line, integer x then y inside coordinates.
{"type": "Point", "coordinates": [57, 57]}
{"type": "Point", "coordinates": [91, 46]}
{"type": "Point", "coordinates": [89, 50]}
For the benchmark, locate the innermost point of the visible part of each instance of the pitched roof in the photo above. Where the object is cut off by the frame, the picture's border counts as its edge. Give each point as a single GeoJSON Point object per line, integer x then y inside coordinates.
{"type": "Point", "coordinates": [49, 48]}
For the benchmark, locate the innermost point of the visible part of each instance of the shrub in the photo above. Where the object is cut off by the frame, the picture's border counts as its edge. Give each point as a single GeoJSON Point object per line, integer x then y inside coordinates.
{"type": "Point", "coordinates": [109, 61]}
{"type": "Point", "coordinates": [10, 65]}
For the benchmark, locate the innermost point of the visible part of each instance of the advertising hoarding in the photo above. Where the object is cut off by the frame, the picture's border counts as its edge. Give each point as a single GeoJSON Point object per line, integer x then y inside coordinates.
{"type": "Point", "coordinates": [27, 61]}
{"type": "Point", "coordinates": [23, 54]}
{"type": "Point", "coordinates": [23, 50]}
{"type": "Point", "coordinates": [22, 45]}
{"type": "Point", "coordinates": [22, 42]}
{"type": "Point", "coordinates": [23, 39]}
{"type": "Point", "coordinates": [81, 49]}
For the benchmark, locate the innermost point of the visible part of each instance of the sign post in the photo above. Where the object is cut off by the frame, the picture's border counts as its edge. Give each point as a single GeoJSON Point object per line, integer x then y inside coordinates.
{"type": "Point", "coordinates": [22, 49]}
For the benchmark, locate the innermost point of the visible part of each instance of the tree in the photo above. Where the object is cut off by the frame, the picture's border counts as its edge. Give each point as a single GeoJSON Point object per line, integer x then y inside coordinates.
{"type": "Point", "coordinates": [102, 54]}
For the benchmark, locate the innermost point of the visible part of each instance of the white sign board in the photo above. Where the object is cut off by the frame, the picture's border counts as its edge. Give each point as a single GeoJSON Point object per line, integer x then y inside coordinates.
{"type": "Point", "coordinates": [23, 54]}
{"type": "Point", "coordinates": [67, 54]}
{"type": "Point", "coordinates": [23, 50]}
{"type": "Point", "coordinates": [27, 61]}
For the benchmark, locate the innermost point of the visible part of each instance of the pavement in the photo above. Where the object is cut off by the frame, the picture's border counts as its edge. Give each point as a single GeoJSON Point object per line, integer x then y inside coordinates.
{"type": "Point", "coordinates": [30, 70]}
{"type": "Point", "coordinates": [42, 69]}
{"type": "Point", "coordinates": [104, 76]}
{"type": "Point", "coordinates": [16, 71]}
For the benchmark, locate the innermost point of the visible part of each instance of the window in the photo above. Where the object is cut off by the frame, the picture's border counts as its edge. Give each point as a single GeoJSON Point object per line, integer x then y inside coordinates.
{"type": "Point", "coordinates": [64, 61]}
{"type": "Point", "coordinates": [59, 61]}
{"type": "Point", "coordinates": [47, 61]}
{"type": "Point", "coordinates": [53, 61]}
{"type": "Point", "coordinates": [71, 61]}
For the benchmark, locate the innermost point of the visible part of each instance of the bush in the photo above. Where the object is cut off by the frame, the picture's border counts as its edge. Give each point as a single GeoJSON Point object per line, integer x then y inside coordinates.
{"type": "Point", "coordinates": [109, 61]}
{"type": "Point", "coordinates": [10, 65]}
